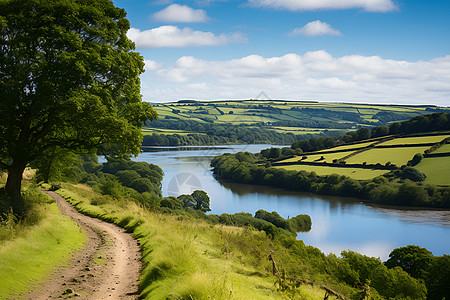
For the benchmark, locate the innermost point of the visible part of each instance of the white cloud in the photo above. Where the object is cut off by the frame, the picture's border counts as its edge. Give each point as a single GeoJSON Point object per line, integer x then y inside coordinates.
{"type": "Point", "coordinates": [315, 28]}
{"type": "Point", "coordinates": [151, 65]}
{"type": "Point", "coordinates": [181, 13]}
{"type": "Point", "coordinates": [172, 36]}
{"type": "Point", "coordinates": [304, 5]}
{"type": "Point", "coordinates": [313, 75]}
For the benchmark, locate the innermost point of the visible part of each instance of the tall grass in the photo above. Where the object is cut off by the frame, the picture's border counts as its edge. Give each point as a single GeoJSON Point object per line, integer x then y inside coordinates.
{"type": "Point", "coordinates": [30, 247]}
{"type": "Point", "coordinates": [187, 258]}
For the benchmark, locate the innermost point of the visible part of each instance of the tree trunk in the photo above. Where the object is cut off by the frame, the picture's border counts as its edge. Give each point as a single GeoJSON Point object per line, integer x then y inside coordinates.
{"type": "Point", "coordinates": [14, 184]}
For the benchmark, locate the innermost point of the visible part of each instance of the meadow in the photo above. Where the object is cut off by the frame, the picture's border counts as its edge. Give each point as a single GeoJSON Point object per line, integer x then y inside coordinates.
{"type": "Point", "coordinates": [399, 152]}
{"type": "Point", "coordinates": [288, 117]}
{"type": "Point", "coordinates": [396, 156]}
{"type": "Point", "coordinates": [355, 173]}
{"type": "Point", "coordinates": [437, 169]}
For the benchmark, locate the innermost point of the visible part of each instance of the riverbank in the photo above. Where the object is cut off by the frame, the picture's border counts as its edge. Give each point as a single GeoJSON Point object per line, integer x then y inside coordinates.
{"type": "Point", "coordinates": [247, 168]}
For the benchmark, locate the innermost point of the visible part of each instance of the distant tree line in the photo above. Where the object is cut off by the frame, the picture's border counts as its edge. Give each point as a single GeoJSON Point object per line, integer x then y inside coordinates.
{"type": "Point", "coordinates": [215, 134]}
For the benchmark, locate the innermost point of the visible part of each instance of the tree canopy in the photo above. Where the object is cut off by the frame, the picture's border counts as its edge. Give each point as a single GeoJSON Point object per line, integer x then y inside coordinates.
{"type": "Point", "coordinates": [69, 79]}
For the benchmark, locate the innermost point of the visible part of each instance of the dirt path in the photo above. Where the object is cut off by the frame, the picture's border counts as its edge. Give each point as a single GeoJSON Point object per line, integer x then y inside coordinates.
{"type": "Point", "coordinates": [107, 267]}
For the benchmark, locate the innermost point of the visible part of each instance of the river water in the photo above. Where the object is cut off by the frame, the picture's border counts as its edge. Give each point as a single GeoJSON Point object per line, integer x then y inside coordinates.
{"type": "Point", "coordinates": [338, 223]}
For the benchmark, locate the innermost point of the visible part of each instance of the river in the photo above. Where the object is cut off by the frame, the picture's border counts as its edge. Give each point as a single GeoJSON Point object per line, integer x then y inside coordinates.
{"type": "Point", "coordinates": [338, 223]}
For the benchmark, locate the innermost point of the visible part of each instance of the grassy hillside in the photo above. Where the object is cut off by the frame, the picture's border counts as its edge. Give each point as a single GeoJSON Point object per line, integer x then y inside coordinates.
{"type": "Point", "coordinates": [366, 160]}
{"type": "Point", "coordinates": [188, 254]}
{"type": "Point", "coordinates": [186, 257]}
{"type": "Point", "coordinates": [296, 117]}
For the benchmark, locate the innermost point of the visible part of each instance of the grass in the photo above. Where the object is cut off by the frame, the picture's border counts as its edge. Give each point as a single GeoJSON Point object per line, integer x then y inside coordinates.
{"type": "Point", "coordinates": [243, 111]}
{"type": "Point", "coordinates": [416, 140]}
{"type": "Point", "coordinates": [443, 149]}
{"type": "Point", "coordinates": [186, 258]}
{"type": "Point", "coordinates": [437, 170]}
{"type": "Point", "coordinates": [355, 173]}
{"type": "Point", "coordinates": [397, 156]}
{"type": "Point", "coordinates": [349, 147]}
{"type": "Point", "coordinates": [315, 157]}
{"type": "Point", "coordinates": [28, 259]}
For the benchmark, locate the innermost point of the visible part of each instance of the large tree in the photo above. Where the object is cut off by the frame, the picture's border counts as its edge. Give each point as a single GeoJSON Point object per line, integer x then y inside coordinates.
{"type": "Point", "coordinates": [69, 78]}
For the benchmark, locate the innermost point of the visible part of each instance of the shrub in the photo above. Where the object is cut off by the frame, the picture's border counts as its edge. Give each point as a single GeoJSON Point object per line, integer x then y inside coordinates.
{"type": "Point", "coordinates": [112, 187]}
{"type": "Point", "coordinates": [412, 174]}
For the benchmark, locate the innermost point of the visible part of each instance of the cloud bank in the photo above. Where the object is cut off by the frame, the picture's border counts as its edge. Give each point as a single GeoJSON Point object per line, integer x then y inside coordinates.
{"type": "Point", "coordinates": [181, 13]}
{"type": "Point", "coordinates": [174, 37]}
{"type": "Point", "coordinates": [315, 75]}
{"type": "Point", "coordinates": [315, 28]}
{"type": "Point", "coordinates": [304, 5]}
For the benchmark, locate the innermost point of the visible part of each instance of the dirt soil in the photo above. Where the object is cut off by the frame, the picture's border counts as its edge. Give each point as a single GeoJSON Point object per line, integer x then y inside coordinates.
{"type": "Point", "coordinates": [107, 267]}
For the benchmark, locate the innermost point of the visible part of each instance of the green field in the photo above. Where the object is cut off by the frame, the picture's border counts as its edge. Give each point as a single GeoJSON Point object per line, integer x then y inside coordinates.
{"type": "Point", "coordinates": [349, 147]}
{"type": "Point", "coordinates": [444, 149]}
{"type": "Point", "coordinates": [437, 169]}
{"type": "Point", "coordinates": [315, 157]}
{"type": "Point", "coordinates": [397, 156]}
{"type": "Point", "coordinates": [416, 140]}
{"type": "Point", "coordinates": [355, 173]}
{"type": "Point", "coordinates": [269, 111]}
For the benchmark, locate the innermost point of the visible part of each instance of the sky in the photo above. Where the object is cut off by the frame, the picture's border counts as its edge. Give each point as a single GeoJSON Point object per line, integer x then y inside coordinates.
{"type": "Point", "coordinates": [361, 51]}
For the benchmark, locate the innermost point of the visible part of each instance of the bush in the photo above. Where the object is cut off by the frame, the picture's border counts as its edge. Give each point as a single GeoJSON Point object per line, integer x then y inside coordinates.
{"type": "Point", "coordinates": [171, 202]}
{"type": "Point", "coordinates": [412, 174]}
{"type": "Point", "coordinates": [416, 159]}
{"type": "Point", "coordinates": [112, 187]}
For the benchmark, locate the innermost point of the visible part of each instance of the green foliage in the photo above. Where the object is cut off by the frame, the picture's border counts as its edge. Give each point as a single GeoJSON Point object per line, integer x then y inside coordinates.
{"type": "Point", "coordinates": [186, 256]}
{"type": "Point", "coordinates": [243, 168]}
{"type": "Point", "coordinates": [52, 164]}
{"type": "Point", "coordinates": [358, 269]}
{"type": "Point", "coordinates": [412, 174]}
{"type": "Point", "coordinates": [438, 278]}
{"type": "Point", "coordinates": [201, 200]}
{"type": "Point", "coordinates": [416, 159]}
{"type": "Point", "coordinates": [12, 224]}
{"type": "Point", "coordinates": [413, 259]}
{"type": "Point", "coordinates": [271, 153]}
{"type": "Point", "coordinates": [69, 79]}
{"type": "Point", "coordinates": [171, 202]}
{"type": "Point", "coordinates": [112, 187]}
{"type": "Point", "coordinates": [300, 223]}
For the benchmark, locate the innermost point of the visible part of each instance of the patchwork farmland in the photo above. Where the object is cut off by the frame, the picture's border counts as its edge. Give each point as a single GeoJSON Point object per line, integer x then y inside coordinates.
{"type": "Point", "coordinates": [366, 160]}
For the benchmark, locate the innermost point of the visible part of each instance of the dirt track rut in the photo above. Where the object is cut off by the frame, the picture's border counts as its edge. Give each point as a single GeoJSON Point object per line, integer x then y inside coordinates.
{"type": "Point", "coordinates": [107, 267]}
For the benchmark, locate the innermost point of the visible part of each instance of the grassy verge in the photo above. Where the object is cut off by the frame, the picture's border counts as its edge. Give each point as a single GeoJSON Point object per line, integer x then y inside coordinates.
{"type": "Point", "coordinates": [29, 258]}
{"type": "Point", "coordinates": [187, 258]}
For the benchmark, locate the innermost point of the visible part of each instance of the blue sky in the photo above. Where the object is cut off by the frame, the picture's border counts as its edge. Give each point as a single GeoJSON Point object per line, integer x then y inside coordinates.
{"type": "Point", "coordinates": [367, 51]}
